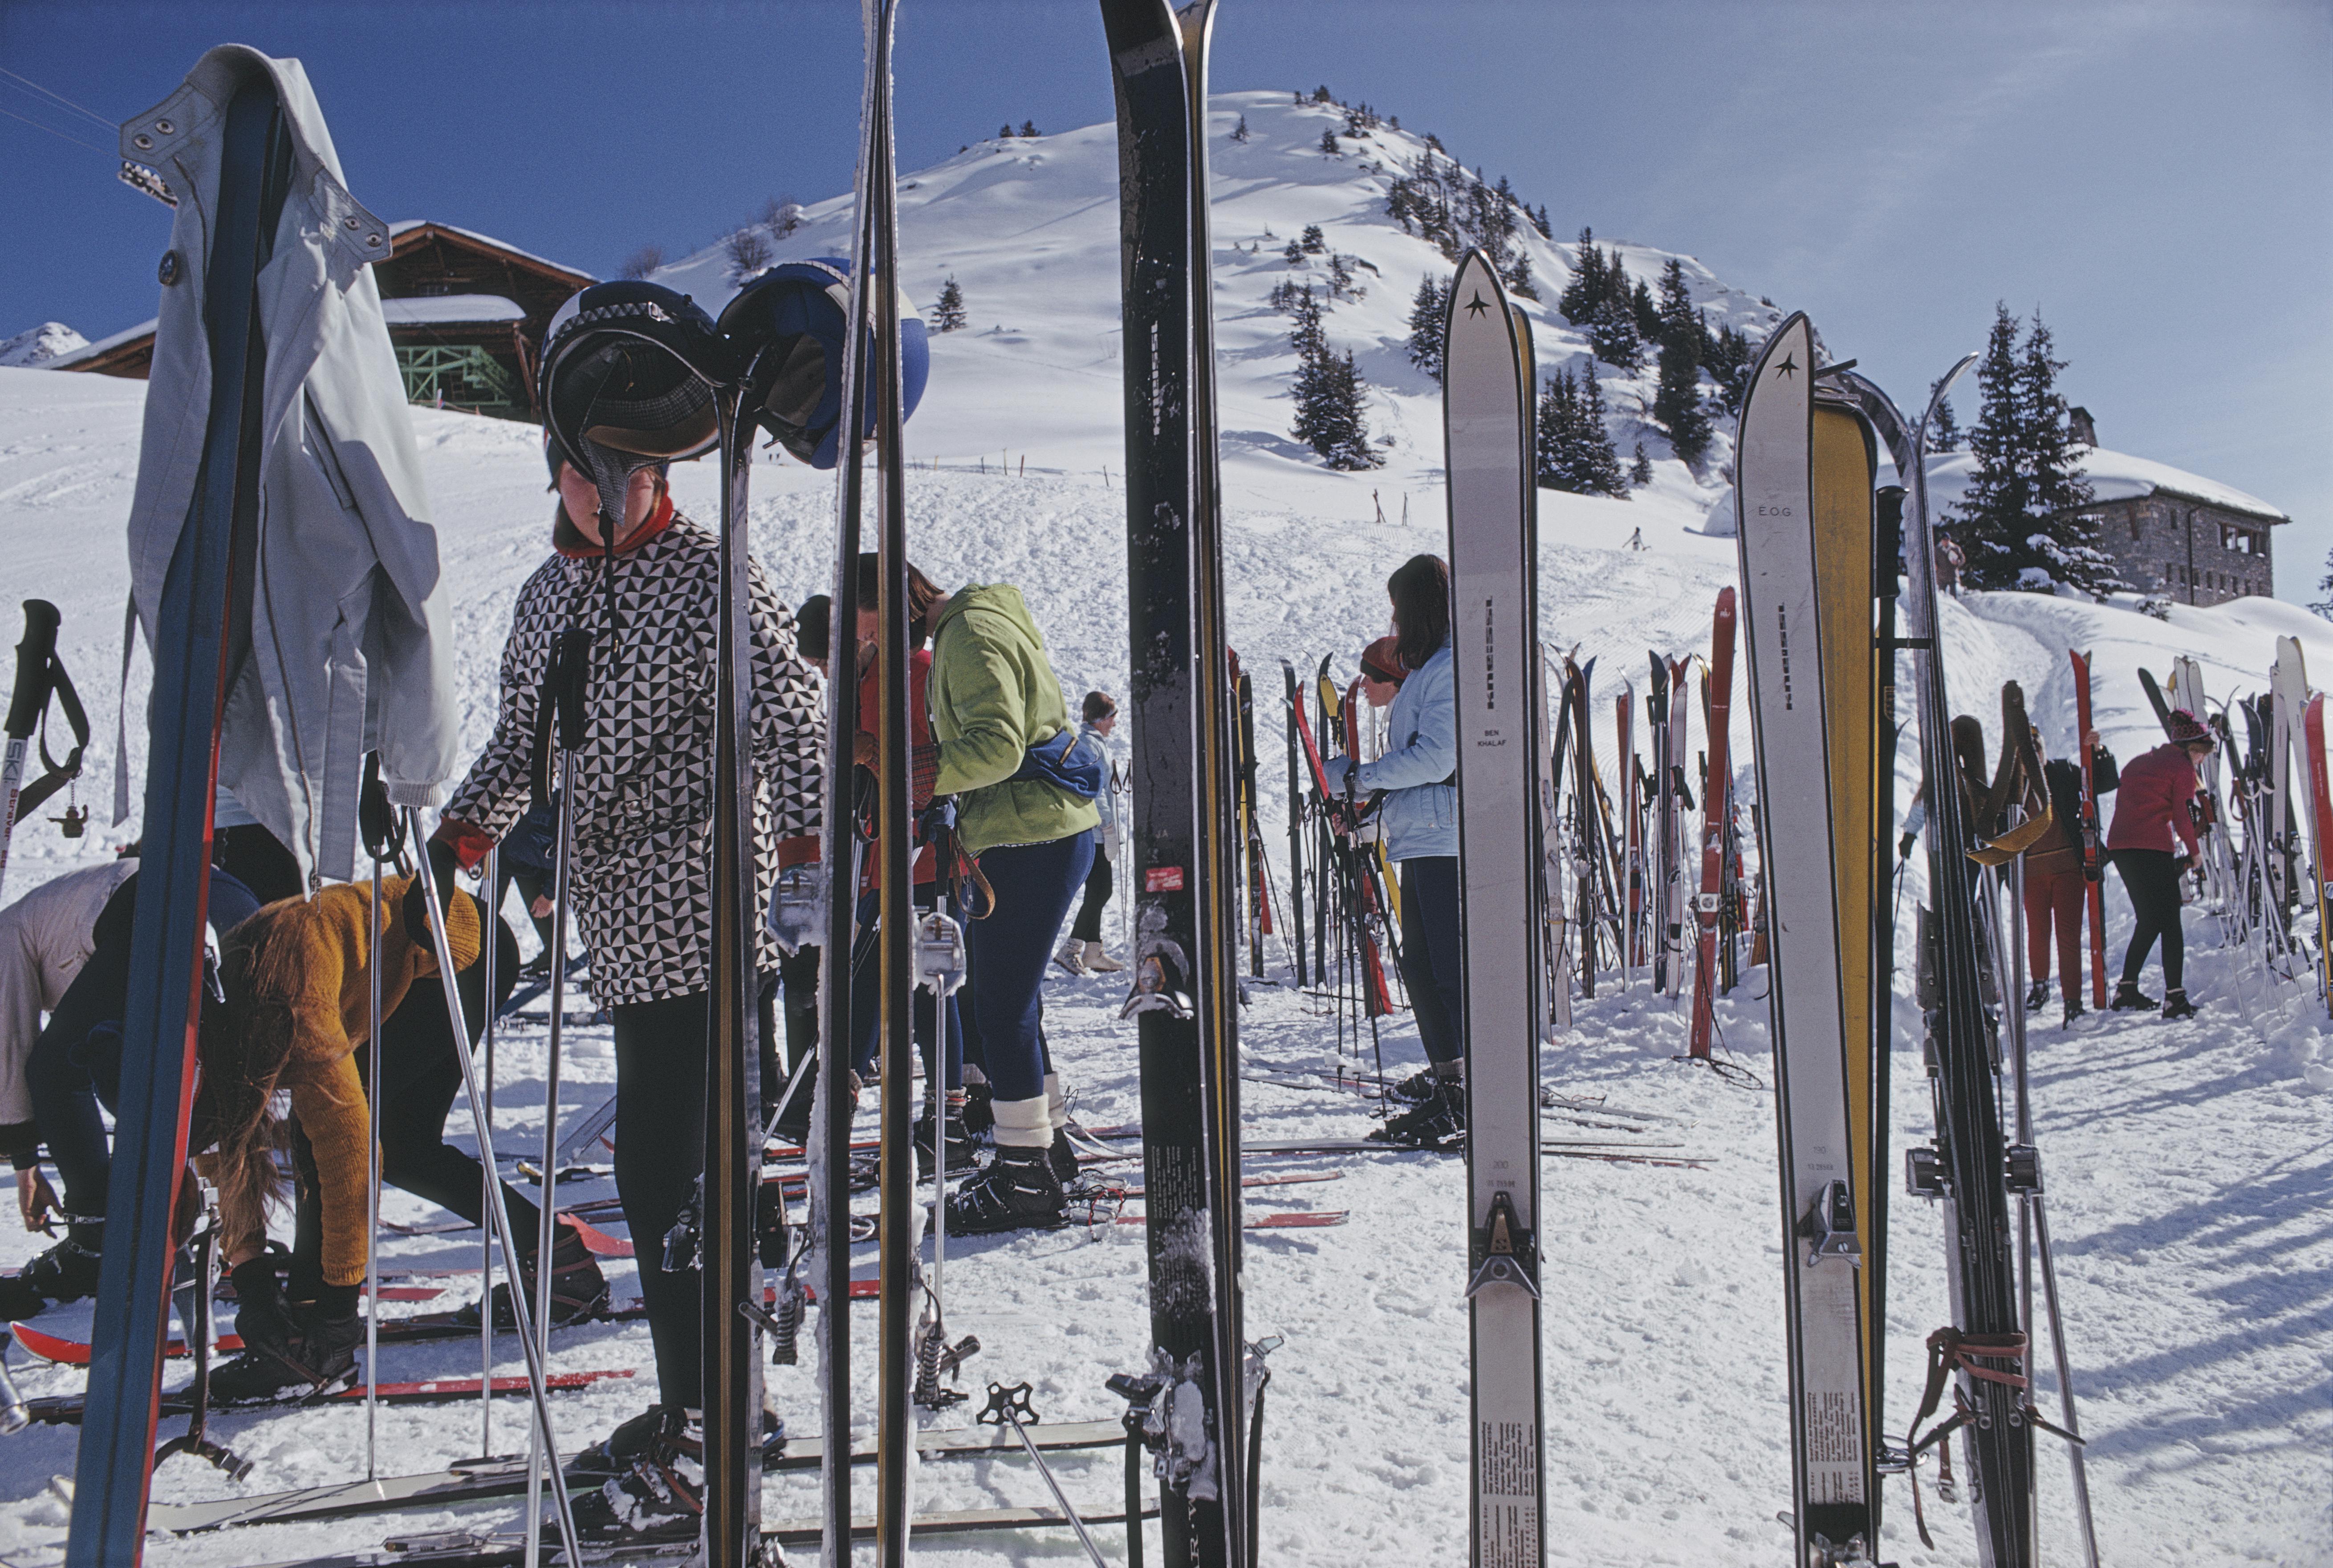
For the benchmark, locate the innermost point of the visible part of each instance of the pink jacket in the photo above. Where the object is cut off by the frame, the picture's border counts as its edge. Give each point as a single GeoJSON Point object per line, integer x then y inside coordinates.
{"type": "Point", "coordinates": [2153, 797]}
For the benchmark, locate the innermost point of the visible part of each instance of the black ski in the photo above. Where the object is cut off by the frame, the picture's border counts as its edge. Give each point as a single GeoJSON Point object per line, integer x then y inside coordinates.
{"type": "Point", "coordinates": [200, 627]}
{"type": "Point", "coordinates": [1185, 978]}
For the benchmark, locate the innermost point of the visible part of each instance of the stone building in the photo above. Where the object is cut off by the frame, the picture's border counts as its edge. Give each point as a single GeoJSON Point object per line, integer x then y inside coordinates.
{"type": "Point", "coordinates": [2171, 534]}
{"type": "Point", "coordinates": [465, 313]}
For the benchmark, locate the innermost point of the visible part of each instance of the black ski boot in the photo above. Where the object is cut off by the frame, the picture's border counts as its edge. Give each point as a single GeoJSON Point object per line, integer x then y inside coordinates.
{"type": "Point", "coordinates": [1438, 1123]}
{"type": "Point", "coordinates": [1418, 1087]}
{"type": "Point", "coordinates": [612, 1454]}
{"type": "Point", "coordinates": [2037, 997]}
{"type": "Point", "coordinates": [2129, 998]}
{"type": "Point", "coordinates": [579, 1290]}
{"type": "Point", "coordinates": [1017, 1190]}
{"type": "Point", "coordinates": [659, 1494]}
{"type": "Point", "coordinates": [979, 1116]}
{"type": "Point", "coordinates": [2073, 1011]}
{"type": "Point", "coordinates": [310, 1350]}
{"type": "Point", "coordinates": [1062, 1158]}
{"type": "Point", "coordinates": [959, 1144]}
{"type": "Point", "coordinates": [2176, 1005]}
{"type": "Point", "coordinates": [65, 1272]}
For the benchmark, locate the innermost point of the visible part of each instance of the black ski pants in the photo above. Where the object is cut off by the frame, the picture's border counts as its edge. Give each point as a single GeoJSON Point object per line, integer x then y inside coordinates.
{"type": "Point", "coordinates": [1430, 954]}
{"type": "Point", "coordinates": [421, 1078]}
{"type": "Point", "coordinates": [659, 1154]}
{"type": "Point", "coordinates": [2151, 878]}
{"type": "Point", "coordinates": [1087, 928]}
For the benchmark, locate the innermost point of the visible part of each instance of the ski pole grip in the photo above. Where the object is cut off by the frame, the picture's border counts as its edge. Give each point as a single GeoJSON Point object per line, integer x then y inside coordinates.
{"type": "Point", "coordinates": [35, 655]}
{"type": "Point", "coordinates": [570, 677]}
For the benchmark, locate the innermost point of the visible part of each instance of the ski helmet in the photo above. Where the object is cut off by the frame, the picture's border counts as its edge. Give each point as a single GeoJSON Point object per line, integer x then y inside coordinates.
{"type": "Point", "coordinates": [626, 383]}
{"type": "Point", "coordinates": [789, 324]}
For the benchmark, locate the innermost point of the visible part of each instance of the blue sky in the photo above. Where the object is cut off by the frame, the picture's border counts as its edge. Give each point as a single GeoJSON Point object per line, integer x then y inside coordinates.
{"type": "Point", "coordinates": [2157, 180]}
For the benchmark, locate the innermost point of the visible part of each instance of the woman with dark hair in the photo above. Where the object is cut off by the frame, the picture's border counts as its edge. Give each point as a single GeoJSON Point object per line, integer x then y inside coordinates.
{"type": "Point", "coordinates": [1415, 787]}
{"type": "Point", "coordinates": [1081, 951]}
{"type": "Point", "coordinates": [2153, 844]}
{"type": "Point", "coordinates": [924, 596]}
{"type": "Point", "coordinates": [1025, 818]}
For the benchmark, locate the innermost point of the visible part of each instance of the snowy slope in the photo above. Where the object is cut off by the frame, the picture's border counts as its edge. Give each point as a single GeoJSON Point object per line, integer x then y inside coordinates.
{"type": "Point", "coordinates": [2189, 1162]}
{"type": "Point", "coordinates": [36, 346]}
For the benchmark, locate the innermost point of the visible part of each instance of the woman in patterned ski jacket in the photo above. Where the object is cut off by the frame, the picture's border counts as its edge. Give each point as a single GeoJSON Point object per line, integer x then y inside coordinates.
{"type": "Point", "coordinates": [642, 787]}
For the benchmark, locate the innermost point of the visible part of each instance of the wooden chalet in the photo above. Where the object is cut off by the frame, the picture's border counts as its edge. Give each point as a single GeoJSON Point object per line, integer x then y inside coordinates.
{"type": "Point", "coordinates": [466, 315]}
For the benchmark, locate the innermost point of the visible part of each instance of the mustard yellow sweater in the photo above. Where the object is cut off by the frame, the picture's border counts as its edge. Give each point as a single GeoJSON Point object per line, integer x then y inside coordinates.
{"type": "Point", "coordinates": [313, 958]}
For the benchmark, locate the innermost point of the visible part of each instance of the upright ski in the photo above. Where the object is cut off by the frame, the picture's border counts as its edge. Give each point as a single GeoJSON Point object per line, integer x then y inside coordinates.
{"type": "Point", "coordinates": [1784, 465]}
{"type": "Point", "coordinates": [2320, 838]}
{"type": "Point", "coordinates": [1184, 976]}
{"type": "Point", "coordinates": [202, 623]}
{"type": "Point", "coordinates": [1487, 406]}
{"type": "Point", "coordinates": [1717, 808]}
{"type": "Point", "coordinates": [2093, 837]}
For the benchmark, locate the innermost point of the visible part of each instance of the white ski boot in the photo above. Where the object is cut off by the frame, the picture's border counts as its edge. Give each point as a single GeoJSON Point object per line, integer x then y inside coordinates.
{"type": "Point", "coordinates": [1071, 956]}
{"type": "Point", "coordinates": [1098, 962]}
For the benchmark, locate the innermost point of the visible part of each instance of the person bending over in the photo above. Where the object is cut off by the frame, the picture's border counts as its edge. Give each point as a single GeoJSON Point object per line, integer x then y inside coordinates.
{"type": "Point", "coordinates": [2152, 843]}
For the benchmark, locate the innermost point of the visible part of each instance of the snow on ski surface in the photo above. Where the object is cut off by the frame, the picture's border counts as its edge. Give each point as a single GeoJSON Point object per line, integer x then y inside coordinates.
{"type": "Point", "coordinates": [2188, 1162]}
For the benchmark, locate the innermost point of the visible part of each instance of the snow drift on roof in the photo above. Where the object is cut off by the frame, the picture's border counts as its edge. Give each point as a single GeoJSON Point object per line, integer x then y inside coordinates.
{"type": "Point", "coordinates": [445, 310]}
{"type": "Point", "coordinates": [2113, 476]}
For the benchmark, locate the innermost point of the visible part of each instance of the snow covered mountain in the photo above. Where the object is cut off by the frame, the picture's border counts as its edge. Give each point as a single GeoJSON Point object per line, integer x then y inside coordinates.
{"type": "Point", "coordinates": [1028, 228]}
{"type": "Point", "coordinates": [37, 347]}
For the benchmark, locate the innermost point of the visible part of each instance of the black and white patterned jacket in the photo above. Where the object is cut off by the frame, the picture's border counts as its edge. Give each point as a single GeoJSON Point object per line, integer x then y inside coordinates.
{"type": "Point", "coordinates": [643, 780]}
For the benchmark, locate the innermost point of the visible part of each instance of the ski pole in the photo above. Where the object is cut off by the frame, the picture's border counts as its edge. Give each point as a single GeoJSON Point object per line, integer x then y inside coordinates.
{"type": "Point", "coordinates": [565, 685]}
{"type": "Point", "coordinates": [372, 1176]}
{"type": "Point", "coordinates": [35, 656]}
{"type": "Point", "coordinates": [1006, 1405]}
{"type": "Point", "coordinates": [497, 1209]}
{"type": "Point", "coordinates": [486, 1173]}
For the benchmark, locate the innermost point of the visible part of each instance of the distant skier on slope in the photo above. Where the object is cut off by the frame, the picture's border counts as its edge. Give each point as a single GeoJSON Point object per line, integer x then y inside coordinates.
{"type": "Point", "coordinates": [1026, 819]}
{"type": "Point", "coordinates": [2055, 887]}
{"type": "Point", "coordinates": [1415, 784]}
{"type": "Point", "coordinates": [2153, 803]}
{"type": "Point", "coordinates": [621, 401]}
{"type": "Point", "coordinates": [1081, 953]}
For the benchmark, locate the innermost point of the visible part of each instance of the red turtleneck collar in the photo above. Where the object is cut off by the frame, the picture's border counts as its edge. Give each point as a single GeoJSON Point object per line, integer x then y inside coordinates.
{"type": "Point", "coordinates": [569, 540]}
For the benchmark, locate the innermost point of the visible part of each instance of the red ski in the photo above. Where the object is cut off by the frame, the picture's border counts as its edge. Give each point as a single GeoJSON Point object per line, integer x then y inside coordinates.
{"type": "Point", "coordinates": [2093, 842]}
{"type": "Point", "coordinates": [2320, 837]}
{"type": "Point", "coordinates": [1716, 806]}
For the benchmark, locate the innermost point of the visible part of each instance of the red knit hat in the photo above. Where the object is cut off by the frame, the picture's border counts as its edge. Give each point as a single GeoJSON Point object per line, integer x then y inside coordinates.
{"type": "Point", "coordinates": [1381, 660]}
{"type": "Point", "coordinates": [2184, 730]}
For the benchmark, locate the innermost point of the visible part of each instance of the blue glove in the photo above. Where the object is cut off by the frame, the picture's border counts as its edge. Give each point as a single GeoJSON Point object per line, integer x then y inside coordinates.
{"type": "Point", "coordinates": [1336, 770]}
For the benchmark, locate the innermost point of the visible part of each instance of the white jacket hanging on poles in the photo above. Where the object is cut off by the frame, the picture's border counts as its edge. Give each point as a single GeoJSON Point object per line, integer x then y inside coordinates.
{"type": "Point", "coordinates": [343, 657]}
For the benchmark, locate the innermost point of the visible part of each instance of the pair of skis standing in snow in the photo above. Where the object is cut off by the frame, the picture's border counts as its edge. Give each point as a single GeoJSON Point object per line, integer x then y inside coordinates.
{"type": "Point", "coordinates": [1821, 546]}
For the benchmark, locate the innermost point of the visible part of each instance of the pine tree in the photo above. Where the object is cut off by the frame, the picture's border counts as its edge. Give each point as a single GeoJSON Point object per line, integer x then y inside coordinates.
{"type": "Point", "coordinates": [1314, 242]}
{"type": "Point", "coordinates": [1648, 315]}
{"type": "Point", "coordinates": [1305, 335]}
{"type": "Point", "coordinates": [1029, 127]}
{"type": "Point", "coordinates": [1294, 254]}
{"type": "Point", "coordinates": [1598, 465]}
{"type": "Point", "coordinates": [1559, 422]}
{"type": "Point", "coordinates": [1612, 333]}
{"type": "Point", "coordinates": [1429, 317]}
{"type": "Point", "coordinates": [1992, 519]}
{"type": "Point", "coordinates": [1640, 472]}
{"type": "Point", "coordinates": [1943, 431]}
{"type": "Point", "coordinates": [1321, 95]}
{"type": "Point", "coordinates": [948, 314]}
{"type": "Point", "coordinates": [1005, 133]}
{"type": "Point", "coordinates": [1340, 279]}
{"type": "Point", "coordinates": [2066, 533]}
{"type": "Point", "coordinates": [1240, 131]}
{"type": "Point", "coordinates": [1677, 312]}
{"type": "Point", "coordinates": [1329, 143]}
{"type": "Point", "coordinates": [1586, 289]}
{"type": "Point", "coordinates": [1519, 278]}
{"type": "Point", "coordinates": [1539, 221]}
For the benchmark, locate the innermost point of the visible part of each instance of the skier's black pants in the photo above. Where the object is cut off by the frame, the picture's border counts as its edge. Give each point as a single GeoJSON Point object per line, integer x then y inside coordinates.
{"type": "Point", "coordinates": [867, 1000]}
{"type": "Point", "coordinates": [659, 1154]}
{"type": "Point", "coordinates": [421, 1077]}
{"type": "Point", "coordinates": [1429, 954]}
{"type": "Point", "coordinates": [534, 883]}
{"type": "Point", "coordinates": [75, 1063]}
{"type": "Point", "coordinates": [2151, 878]}
{"type": "Point", "coordinates": [1008, 951]}
{"type": "Point", "coordinates": [1088, 926]}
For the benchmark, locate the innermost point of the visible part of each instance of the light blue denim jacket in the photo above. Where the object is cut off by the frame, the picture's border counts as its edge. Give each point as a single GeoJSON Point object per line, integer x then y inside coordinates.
{"type": "Point", "coordinates": [1418, 815]}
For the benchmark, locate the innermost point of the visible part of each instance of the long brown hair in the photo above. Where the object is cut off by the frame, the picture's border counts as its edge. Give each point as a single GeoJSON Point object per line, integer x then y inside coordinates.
{"type": "Point", "coordinates": [1420, 591]}
{"type": "Point", "coordinates": [924, 595]}
{"type": "Point", "coordinates": [243, 1058]}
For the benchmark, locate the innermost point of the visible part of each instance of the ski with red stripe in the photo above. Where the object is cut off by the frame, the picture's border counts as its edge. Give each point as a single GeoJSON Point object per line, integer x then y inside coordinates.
{"type": "Point", "coordinates": [1716, 806]}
